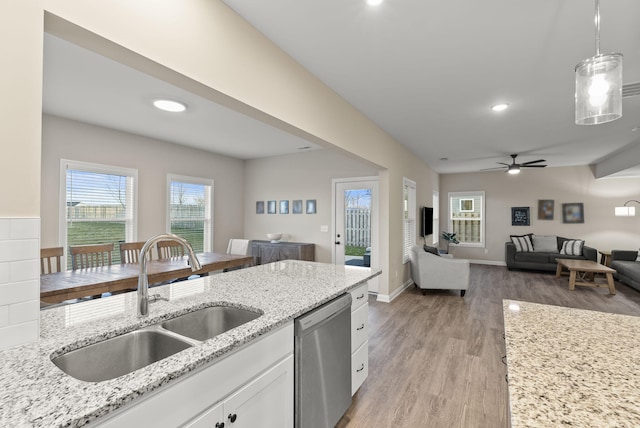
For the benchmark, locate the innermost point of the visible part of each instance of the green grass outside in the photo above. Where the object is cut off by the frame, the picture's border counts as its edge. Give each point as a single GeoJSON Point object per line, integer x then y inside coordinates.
{"type": "Point", "coordinates": [89, 232]}
{"type": "Point", "coordinates": [354, 251]}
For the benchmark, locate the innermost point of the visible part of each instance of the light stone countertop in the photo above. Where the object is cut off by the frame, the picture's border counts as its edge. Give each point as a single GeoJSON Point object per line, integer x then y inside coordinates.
{"type": "Point", "coordinates": [35, 393]}
{"type": "Point", "coordinates": [571, 367]}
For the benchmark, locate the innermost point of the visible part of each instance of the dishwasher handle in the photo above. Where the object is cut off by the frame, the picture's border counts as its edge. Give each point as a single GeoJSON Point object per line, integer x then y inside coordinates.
{"type": "Point", "coordinates": [323, 313]}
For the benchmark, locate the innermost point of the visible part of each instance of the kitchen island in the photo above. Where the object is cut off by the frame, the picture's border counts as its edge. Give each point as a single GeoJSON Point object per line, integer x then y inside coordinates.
{"type": "Point", "coordinates": [35, 393]}
{"type": "Point", "coordinates": [571, 367]}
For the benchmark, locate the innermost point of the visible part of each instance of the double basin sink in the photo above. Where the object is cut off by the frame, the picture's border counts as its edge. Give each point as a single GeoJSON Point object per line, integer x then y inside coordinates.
{"type": "Point", "coordinates": [131, 351]}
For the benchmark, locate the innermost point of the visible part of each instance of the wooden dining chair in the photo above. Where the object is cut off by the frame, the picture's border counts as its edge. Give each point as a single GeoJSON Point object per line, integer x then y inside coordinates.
{"type": "Point", "coordinates": [49, 255]}
{"type": "Point", "coordinates": [88, 256]}
{"type": "Point", "coordinates": [168, 249]}
{"type": "Point", "coordinates": [130, 252]}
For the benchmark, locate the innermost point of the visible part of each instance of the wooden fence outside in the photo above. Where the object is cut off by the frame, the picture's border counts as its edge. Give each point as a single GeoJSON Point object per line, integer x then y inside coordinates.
{"type": "Point", "coordinates": [357, 228]}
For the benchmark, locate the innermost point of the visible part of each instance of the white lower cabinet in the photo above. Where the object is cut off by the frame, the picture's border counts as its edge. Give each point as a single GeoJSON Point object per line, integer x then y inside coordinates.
{"type": "Point", "coordinates": [261, 403]}
{"type": "Point", "coordinates": [252, 387]}
{"type": "Point", "coordinates": [359, 336]}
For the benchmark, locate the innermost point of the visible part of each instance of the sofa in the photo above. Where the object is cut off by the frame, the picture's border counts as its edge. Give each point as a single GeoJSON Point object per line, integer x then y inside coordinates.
{"type": "Point", "coordinates": [544, 257]}
{"type": "Point", "coordinates": [627, 267]}
{"type": "Point", "coordinates": [431, 271]}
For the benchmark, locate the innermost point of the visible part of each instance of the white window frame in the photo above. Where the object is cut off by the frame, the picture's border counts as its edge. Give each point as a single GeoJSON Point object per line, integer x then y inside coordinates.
{"type": "Point", "coordinates": [131, 223]}
{"type": "Point", "coordinates": [480, 193]}
{"type": "Point", "coordinates": [436, 217]}
{"type": "Point", "coordinates": [207, 242]}
{"type": "Point", "coordinates": [409, 223]}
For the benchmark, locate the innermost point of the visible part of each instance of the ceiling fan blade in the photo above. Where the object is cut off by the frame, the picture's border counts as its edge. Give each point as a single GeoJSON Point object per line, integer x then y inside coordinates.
{"type": "Point", "coordinates": [493, 169]}
{"type": "Point", "coordinates": [535, 161]}
{"type": "Point", "coordinates": [532, 166]}
{"type": "Point", "coordinates": [505, 164]}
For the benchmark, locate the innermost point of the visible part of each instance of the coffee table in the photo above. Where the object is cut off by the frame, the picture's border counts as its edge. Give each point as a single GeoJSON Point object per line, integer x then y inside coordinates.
{"type": "Point", "coordinates": [588, 267]}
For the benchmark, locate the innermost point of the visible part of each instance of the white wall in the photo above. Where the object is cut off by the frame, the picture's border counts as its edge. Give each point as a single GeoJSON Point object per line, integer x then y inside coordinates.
{"type": "Point", "coordinates": [601, 229]}
{"type": "Point", "coordinates": [299, 176]}
{"type": "Point", "coordinates": [154, 159]}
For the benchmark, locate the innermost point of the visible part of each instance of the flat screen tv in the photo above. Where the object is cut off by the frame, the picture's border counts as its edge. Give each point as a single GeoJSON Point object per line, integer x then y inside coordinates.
{"type": "Point", "coordinates": [426, 221]}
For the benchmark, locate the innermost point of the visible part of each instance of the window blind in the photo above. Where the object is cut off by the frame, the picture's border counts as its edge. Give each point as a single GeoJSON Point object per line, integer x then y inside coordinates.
{"type": "Point", "coordinates": [190, 212]}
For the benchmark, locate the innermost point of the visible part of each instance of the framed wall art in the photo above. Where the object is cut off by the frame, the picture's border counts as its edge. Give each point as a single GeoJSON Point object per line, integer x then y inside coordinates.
{"type": "Point", "coordinates": [311, 206]}
{"type": "Point", "coordinates": [284, 207]}
{"type": "Point", "coordinates": [271, 207]}
{"type": "Point", "coordinates": [296, 206]}
{"type": "Point", "coordinates": [520, 216]}
{"type": "Point", "coordinates": [259, 207]}
{"type": "Point", "coordinates": [545, 209]}
{"type": "Point", "coordinates": [573, 212]}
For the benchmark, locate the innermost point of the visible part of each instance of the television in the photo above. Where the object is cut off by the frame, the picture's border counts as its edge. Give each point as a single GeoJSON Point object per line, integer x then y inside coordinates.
{"type": "Point", "coordinates": [426, 221]}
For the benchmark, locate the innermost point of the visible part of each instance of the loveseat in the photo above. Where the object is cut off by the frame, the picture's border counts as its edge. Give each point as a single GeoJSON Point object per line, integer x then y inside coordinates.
{"type": "Point", "coordinates": [627, 267]}
{"type": "Point", "coordinates": [543, 258]}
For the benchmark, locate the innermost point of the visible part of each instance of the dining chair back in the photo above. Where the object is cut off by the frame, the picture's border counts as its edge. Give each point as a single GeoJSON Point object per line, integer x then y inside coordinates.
{"type": "Point", "coordinates": [88, 256]}
{"type": "Point", "coordinates": [47, 257]}
{"type": "Point", "coordinates": [130, 252]}
{"type": "Point", "coordinates": [238, 247]}
{"type": "Point", "coordinates": [168, 249]}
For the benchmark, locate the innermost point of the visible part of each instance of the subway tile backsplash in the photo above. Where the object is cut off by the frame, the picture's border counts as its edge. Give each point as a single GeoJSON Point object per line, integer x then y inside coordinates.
{"type": "Point", "coordinates": [19, 281]}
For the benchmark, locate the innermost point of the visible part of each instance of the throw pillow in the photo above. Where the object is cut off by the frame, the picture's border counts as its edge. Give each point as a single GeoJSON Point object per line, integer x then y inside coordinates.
{"type": "Point", "coordinates": [432, 250]}
{"type": "Point", "coordinates": [523, 243]}
{"type": "Point", "coordinates": [545, 244]}
{"type": "Point", "coordinates": [638, 258]}
{"type": "Point", "coordinates": [572, 247]}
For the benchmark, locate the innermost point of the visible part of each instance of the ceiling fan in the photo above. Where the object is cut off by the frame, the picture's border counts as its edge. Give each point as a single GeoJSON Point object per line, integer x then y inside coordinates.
{"type": "Point", "coordinates": [514, 168]}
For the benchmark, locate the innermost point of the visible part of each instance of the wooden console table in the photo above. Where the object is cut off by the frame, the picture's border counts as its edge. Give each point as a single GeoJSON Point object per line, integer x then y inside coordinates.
{"type": "Point", "coordinates": [265, 252]}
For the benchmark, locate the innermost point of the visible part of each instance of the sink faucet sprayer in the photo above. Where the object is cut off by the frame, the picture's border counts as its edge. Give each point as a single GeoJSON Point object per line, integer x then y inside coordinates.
{"type": "Point", "coordinates": [143, 281]}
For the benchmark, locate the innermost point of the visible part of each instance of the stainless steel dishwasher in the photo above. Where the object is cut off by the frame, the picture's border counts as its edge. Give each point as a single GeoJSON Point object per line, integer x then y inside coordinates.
{"type": "Point", "coordinates": [322, 349]}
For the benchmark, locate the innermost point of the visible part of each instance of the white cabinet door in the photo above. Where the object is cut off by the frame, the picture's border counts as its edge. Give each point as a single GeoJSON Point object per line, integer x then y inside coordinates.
{"type": "Point", "coordinates": [266, 402]}
{"type": "Point", "coordinates": [213, 417]}
{"type": "Point", "coordinates": [359, 330]}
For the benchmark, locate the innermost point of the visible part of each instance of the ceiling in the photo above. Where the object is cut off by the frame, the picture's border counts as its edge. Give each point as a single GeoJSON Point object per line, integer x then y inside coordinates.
{"type": "Point", "coordinates": [426, 72]}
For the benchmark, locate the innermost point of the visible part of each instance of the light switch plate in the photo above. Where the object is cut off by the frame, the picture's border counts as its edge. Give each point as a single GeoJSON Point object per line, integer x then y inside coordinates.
{"type": "Point", "coordinates": [324, 228]}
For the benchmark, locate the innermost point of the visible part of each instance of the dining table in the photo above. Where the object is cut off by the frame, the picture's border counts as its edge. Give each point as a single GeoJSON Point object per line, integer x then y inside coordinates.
{"type": "Point", "coordinates": [73, 284]}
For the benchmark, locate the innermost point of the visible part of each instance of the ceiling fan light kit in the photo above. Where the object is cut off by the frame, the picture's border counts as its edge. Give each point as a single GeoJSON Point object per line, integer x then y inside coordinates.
{"type": "Point", "coordinates": [599, 85]}
{"type": "Point", "coordinates": [514, 168]}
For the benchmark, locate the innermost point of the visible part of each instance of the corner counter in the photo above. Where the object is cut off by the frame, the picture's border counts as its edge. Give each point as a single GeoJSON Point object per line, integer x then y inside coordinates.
{"type": "Point", "coordinates": [571, 367]}
{"type": "Point", "coordinates": [35, 393]}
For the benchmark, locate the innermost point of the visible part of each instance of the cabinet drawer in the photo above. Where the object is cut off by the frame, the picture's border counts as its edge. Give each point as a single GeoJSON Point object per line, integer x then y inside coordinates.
{"type": "Point", "coordinates": [359, 326]}
{"type": "Point", "coordinates": [359, 296]}
{"type": "Point", "coordinates": [359, 366]}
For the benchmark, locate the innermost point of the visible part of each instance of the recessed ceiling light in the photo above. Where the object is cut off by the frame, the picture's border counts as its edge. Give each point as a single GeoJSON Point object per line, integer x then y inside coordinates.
{"type": "Point", "coordinates": [170, 105]}
{"type": "Point", "coordinates": [500, 107]}
{"type": "Point", "coordinates": [374, 2]}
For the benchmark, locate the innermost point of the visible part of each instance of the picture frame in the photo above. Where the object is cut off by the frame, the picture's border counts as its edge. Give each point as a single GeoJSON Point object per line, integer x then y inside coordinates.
{"type": "Point", "coordinates": [271, 207]}
{"type": "Point", "coordinates": [545, 209]}
{"type": "Point", "coordinates": [466, 205]}
{"type": "Point", "coordinates": [520, 216]}
{"type": "Point", "coordinates": [573, 213]}
{"type": "Point", "coordinates": [296, 206]}
{"type": "Point", "coordinates": [311, 206]}
{"type": "Point", "coordinates": [259, 207]}
{"type": "Point", "coordinates": [284, 207]}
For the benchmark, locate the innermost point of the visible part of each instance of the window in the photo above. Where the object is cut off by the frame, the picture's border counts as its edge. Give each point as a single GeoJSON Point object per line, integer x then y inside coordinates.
{"type": "Point", "coordinates": [409, 217]}
{"type": "Point", "coordinates": [190, 210]}
{"type": "Point", "coordinates": [466, 217]}
{"type": "Point", "coordinates": [436, 216]}
{"type": "Point", "coordinates": [98, 205]}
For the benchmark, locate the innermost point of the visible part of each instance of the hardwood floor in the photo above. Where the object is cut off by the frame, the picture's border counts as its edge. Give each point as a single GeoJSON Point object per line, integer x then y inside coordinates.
{"type": "Point", "coordinates": [436, 360]}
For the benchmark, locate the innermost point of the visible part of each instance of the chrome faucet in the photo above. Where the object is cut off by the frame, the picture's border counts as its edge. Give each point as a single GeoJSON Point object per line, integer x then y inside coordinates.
{"type": "Point", "coordinates": [143, 280]}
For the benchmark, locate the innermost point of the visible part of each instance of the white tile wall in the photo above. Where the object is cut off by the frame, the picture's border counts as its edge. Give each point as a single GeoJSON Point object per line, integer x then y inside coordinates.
{"type": "Point", "coordinates": [19, 281]}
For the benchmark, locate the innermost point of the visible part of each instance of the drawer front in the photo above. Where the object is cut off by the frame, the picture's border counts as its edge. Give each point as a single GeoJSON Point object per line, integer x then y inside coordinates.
{"type": "Point", "coordinates": [359, 296]}
{"type": "Point", "coordinates": [359, 326]}
{"type": "Point", "coordinates": [359, 366]}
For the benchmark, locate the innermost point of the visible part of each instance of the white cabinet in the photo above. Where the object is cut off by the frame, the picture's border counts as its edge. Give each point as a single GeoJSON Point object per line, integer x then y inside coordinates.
{"type": "Point", "coordinates": [265, 402]}
{"type": "Point", "coordinates": [359, 336]}
{"type": "Point", "coordinates": [255, 383]}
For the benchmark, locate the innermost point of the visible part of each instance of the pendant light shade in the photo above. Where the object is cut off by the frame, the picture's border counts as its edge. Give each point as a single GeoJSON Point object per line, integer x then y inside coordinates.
{"type": "Point", "coordinates": [599, 85]}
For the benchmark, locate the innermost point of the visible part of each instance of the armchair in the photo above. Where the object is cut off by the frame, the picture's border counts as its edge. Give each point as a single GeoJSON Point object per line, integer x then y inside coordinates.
{"type": "Point", "coordinates": [429, 271]}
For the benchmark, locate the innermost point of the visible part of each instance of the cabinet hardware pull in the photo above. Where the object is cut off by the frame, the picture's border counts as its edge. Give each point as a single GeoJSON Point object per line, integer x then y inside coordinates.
{"type": "Point", "coordinates": [361, 368]}
{"type": "Point", "coordinates": [233, 417]}
{"type": "Point", "coordinates": [360, 296]}
{"type": "Point", "coordinates": [360, 328]}
{"type": "Point", "coordinates": [219, 424]}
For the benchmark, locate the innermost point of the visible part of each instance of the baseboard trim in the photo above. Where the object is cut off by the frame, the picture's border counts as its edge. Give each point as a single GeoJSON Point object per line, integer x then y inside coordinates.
{"type": "Point", "coordinates": [386, 298]}
{"type": "Point", "coordinates": [488, 262]}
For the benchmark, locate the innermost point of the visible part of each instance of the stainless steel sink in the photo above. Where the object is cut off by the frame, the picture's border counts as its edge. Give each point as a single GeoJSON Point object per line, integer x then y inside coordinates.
{"type": "Point", "coordinates": [120, 355]}
{"type": "Point", "coordinates": [209, 322]}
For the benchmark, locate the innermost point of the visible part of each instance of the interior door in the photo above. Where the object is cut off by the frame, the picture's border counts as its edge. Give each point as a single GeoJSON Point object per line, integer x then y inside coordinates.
{"type": "Point", "coordinates": [355, 224]}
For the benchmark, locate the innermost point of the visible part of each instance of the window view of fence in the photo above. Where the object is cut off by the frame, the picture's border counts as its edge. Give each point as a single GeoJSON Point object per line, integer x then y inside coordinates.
{"type": "Point", "coordinates": [99, 209]}
{"type": "Point", "coordinates": [357, 222]}
{"type": "Point", "coordinates": [466, 217]}
{"type": "Point", "coordinates": [190, 212]}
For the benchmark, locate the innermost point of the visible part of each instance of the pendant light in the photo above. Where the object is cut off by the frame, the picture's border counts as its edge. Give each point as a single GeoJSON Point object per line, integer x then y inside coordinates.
{"type": "Point", "coordinates": [599, 85]}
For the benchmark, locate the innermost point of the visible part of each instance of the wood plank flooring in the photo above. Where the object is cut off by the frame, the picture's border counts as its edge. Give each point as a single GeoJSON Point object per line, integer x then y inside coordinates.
{"type": "Point", "coordinates": [436, 360]}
